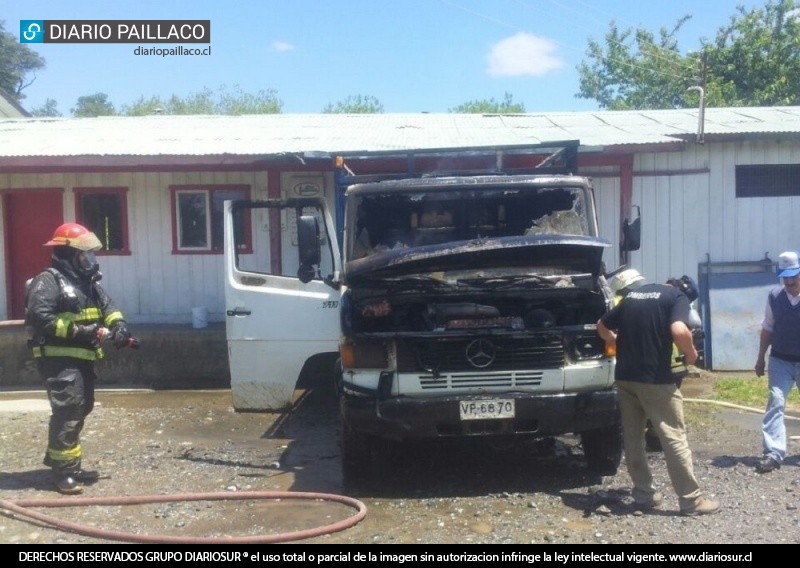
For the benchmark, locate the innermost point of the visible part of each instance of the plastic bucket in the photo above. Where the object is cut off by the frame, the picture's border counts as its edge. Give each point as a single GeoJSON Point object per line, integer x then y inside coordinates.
{"type": "Point", "coordinates": [199, 317]}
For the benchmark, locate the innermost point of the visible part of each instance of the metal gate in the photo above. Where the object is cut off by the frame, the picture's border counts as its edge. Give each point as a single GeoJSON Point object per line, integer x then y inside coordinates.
{"type": "Point", "coordinates": [733, 296]}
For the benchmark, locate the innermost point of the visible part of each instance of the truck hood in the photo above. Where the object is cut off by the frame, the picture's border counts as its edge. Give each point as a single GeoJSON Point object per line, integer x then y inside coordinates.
{"type": "Point", "coordinates": [571, 253]}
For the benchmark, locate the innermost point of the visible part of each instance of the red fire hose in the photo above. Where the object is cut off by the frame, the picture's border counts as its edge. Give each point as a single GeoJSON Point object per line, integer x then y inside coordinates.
{"type": "Point", "coordinates": [20, 507]}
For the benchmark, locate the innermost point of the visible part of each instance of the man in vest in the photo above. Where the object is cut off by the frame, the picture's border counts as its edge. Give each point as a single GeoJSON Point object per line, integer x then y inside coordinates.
{"type": "Point", "coordinates": [780, 329]}
{"type": "Point", "coordinates": [69, 314]}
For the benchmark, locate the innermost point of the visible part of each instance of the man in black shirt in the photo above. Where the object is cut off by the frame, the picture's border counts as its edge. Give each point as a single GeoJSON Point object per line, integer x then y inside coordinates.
{"type": "Point", "coordinates": [644, 327]}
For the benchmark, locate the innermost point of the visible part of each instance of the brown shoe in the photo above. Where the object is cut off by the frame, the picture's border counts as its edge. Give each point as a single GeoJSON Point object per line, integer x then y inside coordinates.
{"type": "Point", "coordinates": [704, 506]}
{"type": "Point", "coordinates": [656, 499]}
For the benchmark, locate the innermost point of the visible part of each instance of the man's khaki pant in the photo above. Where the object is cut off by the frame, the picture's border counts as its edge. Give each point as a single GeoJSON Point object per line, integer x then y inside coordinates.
{"type": "Point", "coordinates": [663, 405]}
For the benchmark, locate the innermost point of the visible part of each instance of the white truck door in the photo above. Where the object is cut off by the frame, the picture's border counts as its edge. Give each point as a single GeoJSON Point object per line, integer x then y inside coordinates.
{"type": "Point", "coordinates": [274, 322]}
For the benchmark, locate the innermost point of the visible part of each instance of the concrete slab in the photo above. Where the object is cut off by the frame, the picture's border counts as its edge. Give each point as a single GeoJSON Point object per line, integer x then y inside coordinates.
{"type": "Point", "coordinates": [24, 405]}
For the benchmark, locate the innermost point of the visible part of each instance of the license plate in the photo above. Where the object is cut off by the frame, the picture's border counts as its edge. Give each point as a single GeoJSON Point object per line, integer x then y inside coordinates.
{"type": "Point", "coordinates": [488, 409]}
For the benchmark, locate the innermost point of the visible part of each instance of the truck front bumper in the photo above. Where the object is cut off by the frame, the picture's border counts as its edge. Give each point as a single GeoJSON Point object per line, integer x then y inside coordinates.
{"type": "Point", "coordinates": [537, 415]}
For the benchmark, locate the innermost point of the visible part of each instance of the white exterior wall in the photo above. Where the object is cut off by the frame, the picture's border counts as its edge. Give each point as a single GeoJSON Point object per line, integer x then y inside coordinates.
{"type": "Point", "coordinates": [686, 218]}
{"type": "Point", "coordinates": [691, 217]}
{"type": "Point", "coordinates": [151, 285]}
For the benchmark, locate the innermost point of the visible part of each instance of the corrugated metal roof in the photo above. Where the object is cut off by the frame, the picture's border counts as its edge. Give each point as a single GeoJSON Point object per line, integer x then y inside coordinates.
{"type": "Point", "coordinates": [331, 133]}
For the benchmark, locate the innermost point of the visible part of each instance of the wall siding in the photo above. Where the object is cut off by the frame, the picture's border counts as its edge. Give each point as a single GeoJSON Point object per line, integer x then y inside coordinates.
{"type": "Point", "coordinates": [607, 196]}
{"type": "Point", "coordinates": [687, 218]}
{"type": "Point", "coordinates": [152, 285]}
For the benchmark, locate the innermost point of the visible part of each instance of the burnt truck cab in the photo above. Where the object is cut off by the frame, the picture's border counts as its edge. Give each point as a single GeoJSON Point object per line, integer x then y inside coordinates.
{"type": "Point", "coordinates": [468, 308]}
{"type": "Point", "coordinates": [458, 306]}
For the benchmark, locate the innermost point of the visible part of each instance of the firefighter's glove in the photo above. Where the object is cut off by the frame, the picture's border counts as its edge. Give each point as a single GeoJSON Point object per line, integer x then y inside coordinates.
{"type": "Point", "coordinates": [85, 334]}
{"type": "Point", "coordinates": [120, 335]}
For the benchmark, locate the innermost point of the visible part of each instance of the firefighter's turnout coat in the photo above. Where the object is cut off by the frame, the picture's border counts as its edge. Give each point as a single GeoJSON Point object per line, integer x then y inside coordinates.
{"type": "Point", "coordinates": [58, 299]}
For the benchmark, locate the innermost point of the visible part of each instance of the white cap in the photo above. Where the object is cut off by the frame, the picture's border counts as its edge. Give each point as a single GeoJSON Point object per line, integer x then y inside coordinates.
{"type": "Point", "coordinates": [788, 265]}
{"type": "Point", "coordinates": [625, 279]}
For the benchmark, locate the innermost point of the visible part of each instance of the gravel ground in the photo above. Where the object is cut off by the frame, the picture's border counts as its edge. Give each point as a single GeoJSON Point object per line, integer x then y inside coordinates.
{"type": "Point", "coordinates": [187, 442]}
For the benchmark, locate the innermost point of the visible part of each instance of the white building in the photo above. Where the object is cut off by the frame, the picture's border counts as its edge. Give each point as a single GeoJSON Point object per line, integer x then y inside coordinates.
{"type": "Point", "coordinates": [715, 197]}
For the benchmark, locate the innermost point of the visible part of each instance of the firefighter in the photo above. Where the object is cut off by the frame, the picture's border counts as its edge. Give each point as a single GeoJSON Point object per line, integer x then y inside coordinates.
{"type": "Point", "coordinates": [69, 314]}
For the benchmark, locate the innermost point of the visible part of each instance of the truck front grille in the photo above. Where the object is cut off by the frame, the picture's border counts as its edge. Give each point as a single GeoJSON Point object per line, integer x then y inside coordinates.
{"type": "Point", "coordinates": [456, 381]}
{"type": "Point", "coordinates": [480, 355]}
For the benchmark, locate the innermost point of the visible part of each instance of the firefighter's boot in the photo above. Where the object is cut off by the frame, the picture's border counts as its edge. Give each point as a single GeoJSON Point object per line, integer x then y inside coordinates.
{"type": "Point", "coordinates": [66, 483]}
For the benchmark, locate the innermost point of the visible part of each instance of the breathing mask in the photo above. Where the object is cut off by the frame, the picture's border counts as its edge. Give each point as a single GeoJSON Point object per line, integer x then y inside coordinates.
{"type": "Point", "coordinates": [85, 263]}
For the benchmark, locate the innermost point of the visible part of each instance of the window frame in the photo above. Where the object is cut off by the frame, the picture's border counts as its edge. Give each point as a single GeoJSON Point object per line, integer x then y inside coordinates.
{"type": "Point", "coordinates": [208, 191]}
{"type": "Point", "coordinates": [122, 193]}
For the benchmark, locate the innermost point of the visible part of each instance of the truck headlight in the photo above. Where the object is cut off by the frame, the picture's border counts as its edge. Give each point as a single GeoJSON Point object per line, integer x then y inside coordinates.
{"type": "Point", "coordinates": [585, 347]}
{"type": "Point", "coordinates": [363, 354]}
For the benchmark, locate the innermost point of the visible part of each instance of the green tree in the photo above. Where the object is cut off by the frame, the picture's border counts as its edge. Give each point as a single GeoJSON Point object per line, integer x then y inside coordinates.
{"type": "Point", "coordinates": [238, 102]}
{"type": "Point", "coordinates": [649, 74]}
{"type": "Point", "coordinates": [754, 61]}
{"type": "Point", "coordinates": [47, 109]}
{"type": "Point", "coordinates": [228, 102]}
{"type": "Point", "coordinates": [93, 105]}
{"type": "Point", "coordinates": [355, 104]}
{"type": "Point", "coordinates": [18, 64]}
{"type": "Point", "coordinates": [491, 106]}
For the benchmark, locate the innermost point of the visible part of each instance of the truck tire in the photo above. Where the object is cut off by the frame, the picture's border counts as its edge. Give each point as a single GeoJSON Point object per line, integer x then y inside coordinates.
{"type": "Point", "coordinates": [361, 455]}
{"type": "Point", "coordinates": [602, 449]}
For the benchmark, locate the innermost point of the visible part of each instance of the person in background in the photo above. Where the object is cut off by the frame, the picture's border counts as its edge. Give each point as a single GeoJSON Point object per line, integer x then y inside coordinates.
{"type": "Point", "coordinates": [644, 326]}
{"type": "Point", "coordinates": [780, 330]}
{"type": "Point", "coordinates": [69, 313]}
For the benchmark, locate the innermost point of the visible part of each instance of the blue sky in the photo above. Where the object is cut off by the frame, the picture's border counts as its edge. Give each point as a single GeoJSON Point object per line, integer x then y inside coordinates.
{"type": "Point", "coordinates": [412, 55]}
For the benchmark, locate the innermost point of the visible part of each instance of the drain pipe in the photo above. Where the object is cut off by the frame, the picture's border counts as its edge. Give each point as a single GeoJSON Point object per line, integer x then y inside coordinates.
{"type": "Point", "coordinates": [701, 117]}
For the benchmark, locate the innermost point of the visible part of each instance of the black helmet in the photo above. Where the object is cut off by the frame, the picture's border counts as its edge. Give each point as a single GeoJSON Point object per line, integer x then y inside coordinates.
{"type": "Point", "coordinates": [686, 285]}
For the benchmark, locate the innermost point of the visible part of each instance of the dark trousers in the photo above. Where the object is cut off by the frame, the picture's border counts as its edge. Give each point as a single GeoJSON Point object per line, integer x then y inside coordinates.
{"type": "Point", "coordinates": [70, 390]}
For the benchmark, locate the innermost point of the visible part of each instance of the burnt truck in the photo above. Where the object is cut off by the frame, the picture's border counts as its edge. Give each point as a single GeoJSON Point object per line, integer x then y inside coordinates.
{"type": "Point", "coordinates": [466, 307]}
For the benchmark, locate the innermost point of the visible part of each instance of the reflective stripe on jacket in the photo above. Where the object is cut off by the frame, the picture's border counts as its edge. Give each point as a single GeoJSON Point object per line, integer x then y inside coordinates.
{"type": "Point", "coordinates": [53, 318]}
{"type": "Point", "coordinates": [68, 348]}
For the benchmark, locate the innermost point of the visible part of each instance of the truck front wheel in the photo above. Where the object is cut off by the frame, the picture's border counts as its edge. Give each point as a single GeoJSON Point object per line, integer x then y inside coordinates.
{"type": "Point", "coordinates": [360, 455]}
{"type": "Point", "coordinates": [602, 448]}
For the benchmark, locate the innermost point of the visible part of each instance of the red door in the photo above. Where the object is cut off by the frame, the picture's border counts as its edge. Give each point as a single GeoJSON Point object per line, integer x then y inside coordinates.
{"type": "Point", "coordinates": [30, 216]}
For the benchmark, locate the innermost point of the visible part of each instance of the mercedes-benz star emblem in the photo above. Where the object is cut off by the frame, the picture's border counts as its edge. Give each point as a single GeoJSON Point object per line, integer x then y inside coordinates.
{"type": "Point", "coordinates": [481, 353]}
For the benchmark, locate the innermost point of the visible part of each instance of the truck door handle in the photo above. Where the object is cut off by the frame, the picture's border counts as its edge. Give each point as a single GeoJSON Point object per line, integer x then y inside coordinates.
{"type": "Point", "coordinates": [238, 312]}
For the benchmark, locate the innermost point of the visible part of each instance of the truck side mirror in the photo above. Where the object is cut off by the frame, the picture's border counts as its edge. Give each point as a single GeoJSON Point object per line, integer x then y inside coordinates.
{"type": "Point", "coordinates": [308, 245]}
{"type": "Point", "coordinates": [632, 232]}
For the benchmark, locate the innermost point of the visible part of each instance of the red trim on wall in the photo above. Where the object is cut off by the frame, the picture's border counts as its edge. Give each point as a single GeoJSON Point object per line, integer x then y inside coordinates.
{"type": "Point", "coordinates": [669, 173]}
{"type": "Point", "coordinates": [274, 192]}
{"type": "Point", "coordinates": [598, 160]}
{"type": "Point", "coordinates": [111, 164]}
{"type": "Point", "coordinates": [30, 189]}
{"type": "Point", "coordinates": [625, 198]}
{"type": "Point", "coordinates": [652, 148]}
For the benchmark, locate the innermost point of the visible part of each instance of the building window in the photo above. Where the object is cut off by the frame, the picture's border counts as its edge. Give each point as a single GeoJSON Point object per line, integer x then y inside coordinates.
{"type": "Point", "coordinates": [197, 221]}
{"type": "Point", "coordinates": [770, 180]}
{"type": "Point", "coordinates": [104, 211]}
